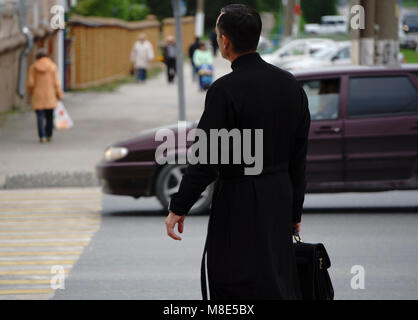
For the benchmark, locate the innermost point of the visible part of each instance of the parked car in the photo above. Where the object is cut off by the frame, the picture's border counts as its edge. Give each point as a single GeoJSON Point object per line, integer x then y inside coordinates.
{"type": "Point", "coordinates": [329, 25]}
{"type": "Point", "coordinates": [410, 23]}
{"type": "Point", "coordinates": [296, 49]}
{"type": "Point", "coordinates": [333, 56]}
{"type": "Point", "coordinates": [407, 41]}
{"type": "Point", "coordinates": [363, 137]}
{"type": "Point", "coordinates": [264, 44]}
{"type": "Point", "coordinates": [338, 55]}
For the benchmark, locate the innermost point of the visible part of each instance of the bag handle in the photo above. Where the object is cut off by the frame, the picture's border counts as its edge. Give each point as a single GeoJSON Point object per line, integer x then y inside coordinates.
{"type": "Point", "coordinates": [296, 236]}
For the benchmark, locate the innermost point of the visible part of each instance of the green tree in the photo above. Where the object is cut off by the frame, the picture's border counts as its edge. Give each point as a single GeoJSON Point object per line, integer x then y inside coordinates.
{"type": "Point", "coordinates": [213, 7]}
{"type": "Point", "coordinates": [313, 10]}
{"type": "Point", "coordinates": [129, 10]}
{"type": "Point", "coordinates": [163, 9]}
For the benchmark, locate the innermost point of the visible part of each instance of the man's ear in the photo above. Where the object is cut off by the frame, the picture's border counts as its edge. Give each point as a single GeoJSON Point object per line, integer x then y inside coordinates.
{"type": "Point", "coordinates": [226, 41]}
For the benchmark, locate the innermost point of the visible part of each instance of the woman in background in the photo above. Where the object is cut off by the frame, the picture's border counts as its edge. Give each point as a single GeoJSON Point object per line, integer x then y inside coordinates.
{"type": "Point", "coordinates": [203, 61]}
{"type": "Point", "coordinates": [141, 56]}
{"type": "Point", "coordinates": [45, 87]}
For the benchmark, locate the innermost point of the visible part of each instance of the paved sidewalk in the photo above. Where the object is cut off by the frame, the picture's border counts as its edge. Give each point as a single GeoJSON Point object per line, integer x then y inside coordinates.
{"type": "Point", "coordinates": [100, 119]}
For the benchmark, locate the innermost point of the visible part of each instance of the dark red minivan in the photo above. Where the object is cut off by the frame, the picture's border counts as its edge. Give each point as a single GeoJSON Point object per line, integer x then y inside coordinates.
{"type": "Point", "coordinates": [363, 137]}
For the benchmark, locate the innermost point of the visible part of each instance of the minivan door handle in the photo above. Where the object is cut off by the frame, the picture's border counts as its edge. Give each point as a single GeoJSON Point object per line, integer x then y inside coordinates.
{"type": "Point", "coordinates": [328, 129]}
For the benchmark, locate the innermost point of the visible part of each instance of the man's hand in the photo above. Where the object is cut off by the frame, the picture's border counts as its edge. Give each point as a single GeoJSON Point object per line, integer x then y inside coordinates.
{"type": "Point", "coordinates": [296, 226]}
{"type": "Point", "coordinates": [170, 223]}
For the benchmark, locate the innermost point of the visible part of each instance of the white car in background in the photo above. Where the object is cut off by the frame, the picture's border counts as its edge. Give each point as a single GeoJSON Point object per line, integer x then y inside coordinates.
{"type": "Point", "coordinates": [336, 55]}
{"type": "Point", "coordinates": [296, 50]}
{"type": "Point", "coordinates": [333, 56]}
{"type": "Point", "coordinates": [329, 25]}
{"type": "Point", "coordinates": [264, 44]}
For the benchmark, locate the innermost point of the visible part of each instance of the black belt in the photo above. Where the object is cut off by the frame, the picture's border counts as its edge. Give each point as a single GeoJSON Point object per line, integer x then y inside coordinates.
{"type": "Point", "coordinates": [281, 167]}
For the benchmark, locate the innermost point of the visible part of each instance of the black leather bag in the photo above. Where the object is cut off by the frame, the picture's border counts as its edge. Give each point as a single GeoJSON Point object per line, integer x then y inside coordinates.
{"type": "Point", "coordinates": [313, 263]}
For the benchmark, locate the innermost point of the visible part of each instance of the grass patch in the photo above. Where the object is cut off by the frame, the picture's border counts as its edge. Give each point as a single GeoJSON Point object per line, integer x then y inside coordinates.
{"type": "Point", "coordinates": [410, 3]}
{"type": "Point", "coordinates": [411, 56]}
{"type": "Point", "coordinates": [15, 109]}
{"type": "Point", "coordinates": [113, 85]}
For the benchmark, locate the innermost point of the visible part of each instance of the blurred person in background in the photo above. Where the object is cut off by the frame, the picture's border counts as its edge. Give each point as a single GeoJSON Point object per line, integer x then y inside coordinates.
{"type": "Point", "coordinates": [214, 42]}
{"type": "Point", "coordinates": [193, 47]}
{"type": "Point", "coordinates": [45, 87]}
{"type": "Point", "coordinates": [141, 55]}
{"type": "Point", "coordinates": [203, 60]}
{"type": "Point", "coordinates": [170, 58]}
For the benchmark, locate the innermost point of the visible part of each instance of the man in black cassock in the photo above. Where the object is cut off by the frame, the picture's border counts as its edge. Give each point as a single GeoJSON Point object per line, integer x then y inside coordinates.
{"type": "Point", "coordinates": [249, 241]}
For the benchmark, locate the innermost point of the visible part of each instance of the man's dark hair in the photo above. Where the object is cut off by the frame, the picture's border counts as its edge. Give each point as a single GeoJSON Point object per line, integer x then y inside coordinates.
{"type": "Point", "coordinates": [242, 25]}
{"type": "Point", "coordinates": [40, 54]}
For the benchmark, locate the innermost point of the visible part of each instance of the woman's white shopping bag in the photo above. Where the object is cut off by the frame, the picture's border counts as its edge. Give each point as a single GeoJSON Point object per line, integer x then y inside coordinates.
{"type": "Point", "coordinates": [62, 119]}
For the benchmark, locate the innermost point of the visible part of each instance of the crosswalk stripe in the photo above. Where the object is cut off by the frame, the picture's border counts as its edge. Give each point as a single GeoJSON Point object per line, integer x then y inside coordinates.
{"type": "Point", "coordinates": [36, 262]}
{"type": "Point", "coordinates": [48, 215]}
{"type": "Point", "coordinates": [26, 291]}
{"type": "Point", "coordinates": [61, 209]}
{"type": "Point", "coordinates": [45, 244]}
{"type": "Point", "coordinates": [29, 281]}
{"type": "Point", "coordinates": [48, 231]}
{"type": "Point", "coordinates": [45, 193]}
{"type": "Point", "coordinates": [47, 220]}
{"type": "Point", "coordinates": [39, 253]}
{"type": "Point", "coordinates": [51, 226]}
{"type": "Point", "coordinates": [49, 236]}
{"type": "Point", "coordinates": [28, 272]}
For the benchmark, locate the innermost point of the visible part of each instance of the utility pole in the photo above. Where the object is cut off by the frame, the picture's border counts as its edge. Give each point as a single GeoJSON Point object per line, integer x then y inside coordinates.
{"type": "Point", "coordinates": [296, 18]}
{"type": "Point", "coordinates": [288, 20]}
{"type": "Point", "coordinates": [200, 18]}
{"type": "Point", "coordinates": [179, 59]}
{"type": "Point", "coordinates": [374, 32]}
{"type": "Point", "coordinates": [387, 41]}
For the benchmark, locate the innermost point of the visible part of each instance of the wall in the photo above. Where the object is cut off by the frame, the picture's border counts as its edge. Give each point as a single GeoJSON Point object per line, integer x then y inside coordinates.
{"type": "Point", "coordinates": [101, 47]}
{"type": "Point", "coordinates": [13, 42]}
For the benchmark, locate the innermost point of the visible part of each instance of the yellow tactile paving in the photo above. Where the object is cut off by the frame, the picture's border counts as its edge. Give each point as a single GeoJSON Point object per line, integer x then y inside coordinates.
{"type": "Point", "coordinates": [30, 281]}
{"type": "Point", "coordinates": [45, 209]}
{"type": "Point", "coordinates": [48, 215]}
{"type": "Point", "coordinates": [46, 236]}
{"type": "Point", "coordinates": [40, 229]}
{"type": "Point", "coordinates": [51, 226]}
{"type": "Point", "coordinates": [36, 262]}
{"type": "Point", "coordinates": [47, 231]}
{"type": "Point", "coordinates": [29, 272]}
{"type": "Point", "coordinates": [26, 291]}
{"type": "Point", "coordinates": [39, 253]}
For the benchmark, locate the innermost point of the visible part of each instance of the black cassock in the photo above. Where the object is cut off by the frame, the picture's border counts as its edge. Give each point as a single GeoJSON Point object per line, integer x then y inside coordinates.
{"type": "Point", "coordinates": [249, 240]}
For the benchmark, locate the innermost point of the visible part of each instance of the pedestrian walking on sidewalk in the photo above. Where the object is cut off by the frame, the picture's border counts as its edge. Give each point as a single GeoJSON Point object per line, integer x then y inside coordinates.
{"type": "Point", "coordinates": [170, 58]}
{"type": "Point", "coordinates": [214, 42]}
{"type": "Point", "coordinates": [141, 56]}
{"type": "Point", "coordinates": [193, 47]}
{"type": "Point", "coordinates": [45, 87]}
{"type": "Point", "coordinates": [249, 245]}
{"type": "Point", "coordinates": [203, 61]}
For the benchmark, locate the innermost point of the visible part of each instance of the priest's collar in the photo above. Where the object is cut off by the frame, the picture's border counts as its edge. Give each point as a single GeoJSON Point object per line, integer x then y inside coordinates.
{"type": "Point", "coordinates": [245, 59]}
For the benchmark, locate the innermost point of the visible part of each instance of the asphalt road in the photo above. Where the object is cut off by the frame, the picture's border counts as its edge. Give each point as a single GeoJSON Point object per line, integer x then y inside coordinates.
{"type": "Point", "coordinates": [131, 257]}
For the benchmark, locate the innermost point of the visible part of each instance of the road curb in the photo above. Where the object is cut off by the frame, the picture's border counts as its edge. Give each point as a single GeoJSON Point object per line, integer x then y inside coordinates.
{"type": "Point", "coordinates": [49, 180]}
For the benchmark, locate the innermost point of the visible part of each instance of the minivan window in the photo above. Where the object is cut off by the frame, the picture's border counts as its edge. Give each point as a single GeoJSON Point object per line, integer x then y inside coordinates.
{"type": "Point", "coordinates": [323, 96]}
{"type": "Point", "coordinates": [379, 96]}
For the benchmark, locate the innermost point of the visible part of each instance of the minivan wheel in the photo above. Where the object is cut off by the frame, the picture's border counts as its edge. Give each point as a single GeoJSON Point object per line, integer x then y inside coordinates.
{"type": "Point", "coordinates": [168, 183]}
